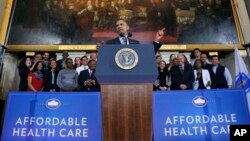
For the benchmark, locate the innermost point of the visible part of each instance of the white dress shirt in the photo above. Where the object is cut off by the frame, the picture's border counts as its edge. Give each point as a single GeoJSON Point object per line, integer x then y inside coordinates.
{"type": "Point", "coordinates": [123, 40]}
{"type": "Point", "coordinates": [81, 68]}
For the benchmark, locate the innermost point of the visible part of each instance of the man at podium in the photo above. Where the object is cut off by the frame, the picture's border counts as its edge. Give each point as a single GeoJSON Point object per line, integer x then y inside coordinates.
{"type": "Point", "coordinates": [121, 89]}
{"type": "Point", "coordinates": [122, 29]}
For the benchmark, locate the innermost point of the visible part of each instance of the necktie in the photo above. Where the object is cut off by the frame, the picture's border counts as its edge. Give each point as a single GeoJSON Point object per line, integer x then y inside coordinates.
{"type": "Point", "coordinates": [124, 41]}
{"type": "Point", "coordinates": [90, 73]}
{"type": "Point", "coordinates": [53, 77]}
{"type": "Point", "coordinates": [182, 69]}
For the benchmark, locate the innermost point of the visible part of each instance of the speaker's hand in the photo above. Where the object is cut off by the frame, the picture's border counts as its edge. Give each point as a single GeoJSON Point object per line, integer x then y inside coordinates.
{"type": "Point", "coordinates": [159, 34]}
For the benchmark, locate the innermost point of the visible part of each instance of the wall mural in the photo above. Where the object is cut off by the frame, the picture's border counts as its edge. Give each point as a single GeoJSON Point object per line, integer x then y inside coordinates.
{"type": "Point", "coordinates": [91, 21]}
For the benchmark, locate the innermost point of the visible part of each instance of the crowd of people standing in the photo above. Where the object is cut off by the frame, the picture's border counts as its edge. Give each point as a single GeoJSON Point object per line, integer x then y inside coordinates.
{"type": "Point", "coordinates": [48, 74]}
{"type": "Point", "coordinates": [200, 73]}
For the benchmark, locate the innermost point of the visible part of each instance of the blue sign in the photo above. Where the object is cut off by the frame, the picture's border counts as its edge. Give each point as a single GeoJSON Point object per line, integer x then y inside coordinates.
{"type": "Point", "coordinates": [64, 116]}
{"type": "Point", "coordinates": [201, 115]}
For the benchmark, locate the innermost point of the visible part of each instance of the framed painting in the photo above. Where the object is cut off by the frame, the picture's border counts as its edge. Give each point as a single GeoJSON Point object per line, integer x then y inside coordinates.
{"type": "Point", "coordinates": [80, 24]}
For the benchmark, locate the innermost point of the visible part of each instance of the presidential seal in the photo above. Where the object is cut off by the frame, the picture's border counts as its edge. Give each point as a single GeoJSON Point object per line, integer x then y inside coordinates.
{"type": "Point", "coordinates": [126, 58]}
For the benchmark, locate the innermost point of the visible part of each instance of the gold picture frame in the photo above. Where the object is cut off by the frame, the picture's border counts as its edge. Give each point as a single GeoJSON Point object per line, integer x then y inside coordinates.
{"type": "Point", "coordinates": [90, 47]}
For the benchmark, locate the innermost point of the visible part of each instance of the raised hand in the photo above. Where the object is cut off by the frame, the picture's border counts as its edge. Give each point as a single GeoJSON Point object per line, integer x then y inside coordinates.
{"type": "Point", "coordinates": [159, 34]}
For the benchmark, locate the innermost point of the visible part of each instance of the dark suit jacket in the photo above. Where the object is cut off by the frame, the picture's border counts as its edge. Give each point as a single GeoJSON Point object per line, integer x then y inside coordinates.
{"type": "Point", "coordinates": [84, 75]}
{"type": "Point", "coordinates": [60, 64]}
{"type": "Point", "coordinates": [207, 66]}
{"type": "Point", "coordinates": [177, 78]}
{"type": "Point", "coordinates": [48, 81]}
{"type": "Point", "coordinates": [131, 41]}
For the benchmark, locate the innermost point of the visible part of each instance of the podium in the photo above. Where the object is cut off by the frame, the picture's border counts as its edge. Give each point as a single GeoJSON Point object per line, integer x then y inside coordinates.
{"type": "Point", "coordinates": [126, 74]}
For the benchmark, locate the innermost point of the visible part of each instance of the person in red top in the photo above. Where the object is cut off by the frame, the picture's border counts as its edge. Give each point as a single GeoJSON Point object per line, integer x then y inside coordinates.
{"type": "Point", "coordinates": [36, 78]}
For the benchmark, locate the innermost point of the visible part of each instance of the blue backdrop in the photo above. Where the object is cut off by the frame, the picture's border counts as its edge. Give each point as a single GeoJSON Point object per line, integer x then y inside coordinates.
{"type": "Point", "coordinates": [202, 115]}
{"type": "Point", "coordinates": [53, 117]}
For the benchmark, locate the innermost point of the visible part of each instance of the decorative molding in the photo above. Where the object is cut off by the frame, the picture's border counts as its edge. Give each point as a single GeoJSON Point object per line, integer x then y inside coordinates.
{"type": "Point", "coordinates": [55, 48]}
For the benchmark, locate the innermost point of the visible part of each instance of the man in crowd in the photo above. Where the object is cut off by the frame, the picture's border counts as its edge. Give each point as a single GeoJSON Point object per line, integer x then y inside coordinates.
{"type": "Point", "coordinates": [61, 62]}
{"type": "Point", "coordinates": [205, 63]}
{"type": "Point", "coordinates": [45, 61]}
{"type": "Point", "coordinates": [182, 75]}
{"type": "Point", "coordinates": [84, 64]}
{"type": "Point", "coordinates": [87, 80]}
{"type": "Point", "coordinates": [220, 75]}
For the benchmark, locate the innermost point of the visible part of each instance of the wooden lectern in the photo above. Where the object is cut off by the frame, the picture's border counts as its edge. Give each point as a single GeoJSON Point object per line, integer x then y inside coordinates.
{"type": "Point", "coordinates": [126, 93]}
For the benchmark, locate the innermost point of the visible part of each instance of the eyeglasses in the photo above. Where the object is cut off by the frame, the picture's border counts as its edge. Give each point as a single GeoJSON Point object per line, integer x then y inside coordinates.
{"type": "Point", "coordinates": [69, 62]}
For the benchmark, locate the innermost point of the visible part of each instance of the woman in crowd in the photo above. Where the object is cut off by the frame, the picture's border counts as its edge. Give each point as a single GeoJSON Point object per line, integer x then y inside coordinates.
{"type": "Point", "coordinates": [24, 69]}
{"type": "Point", "coordinates": [36, 78]}
{"type": "Point", "coordinates": [202, 76]}
{"type": "Point", "coordinates": [158, 59]}
{"type": "Point", "coordinates": [51, 77]}
{"type": "Point", "coordinates": [196, 54]}
{"type": "Point", "coordinates": [67, 78]}
{"type": "Point", "coordinates": [171, 61]}
{"type": "Point", "coordinates": [163, 80]}
{"type": "Point", "coordinates": [77, 62]}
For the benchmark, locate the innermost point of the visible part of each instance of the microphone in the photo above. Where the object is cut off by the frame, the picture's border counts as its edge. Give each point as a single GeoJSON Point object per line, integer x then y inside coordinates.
{"type": "Point", "coordinates": [123, 35]}
{"type": "Point", "coordinates": [198, 75]}
{"type": "Point", "coordinates": [130, 34]}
